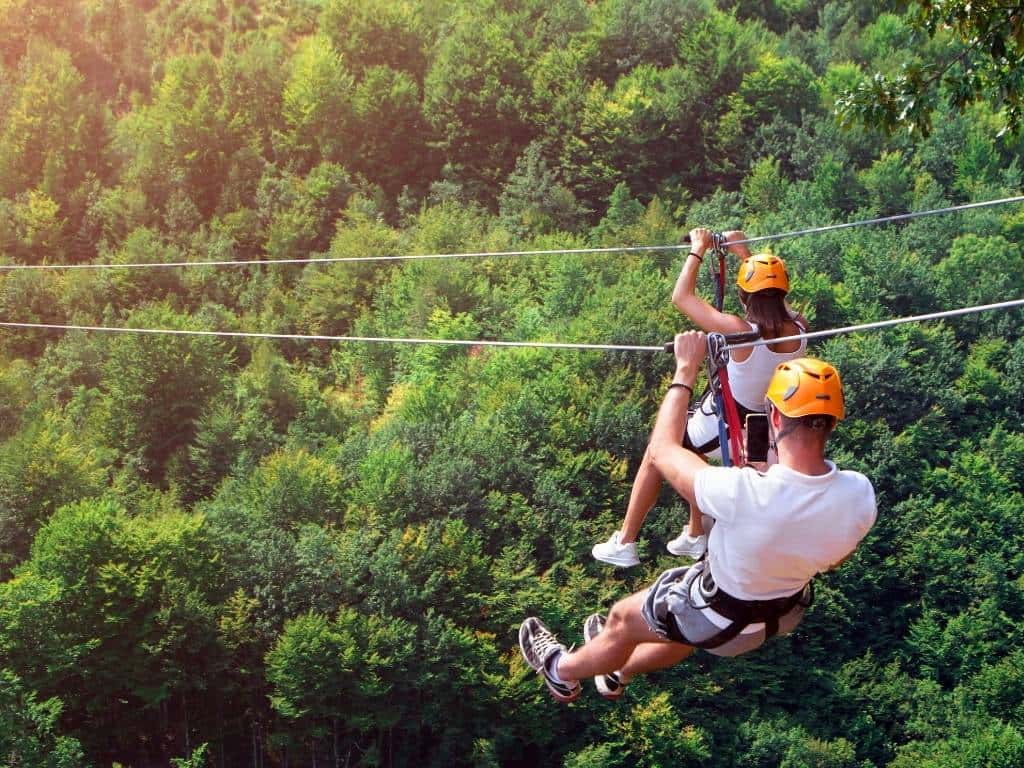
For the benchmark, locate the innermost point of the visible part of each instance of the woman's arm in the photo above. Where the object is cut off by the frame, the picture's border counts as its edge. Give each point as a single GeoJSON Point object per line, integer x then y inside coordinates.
{"type": "Point", "coordinates": [741, 251]}
{"type": "Point", "coordinates": [685, 298]}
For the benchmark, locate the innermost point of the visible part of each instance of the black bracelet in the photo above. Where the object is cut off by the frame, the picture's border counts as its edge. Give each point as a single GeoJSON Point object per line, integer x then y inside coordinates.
{"type": "Point", "coordinates": [687, 387]}
{"type": "Point", "coordinates": [699, 257]}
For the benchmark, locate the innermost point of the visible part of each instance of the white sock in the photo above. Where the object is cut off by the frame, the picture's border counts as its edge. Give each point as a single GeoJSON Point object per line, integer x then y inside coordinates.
{"type": "Point", "coordinates": [552, 666]}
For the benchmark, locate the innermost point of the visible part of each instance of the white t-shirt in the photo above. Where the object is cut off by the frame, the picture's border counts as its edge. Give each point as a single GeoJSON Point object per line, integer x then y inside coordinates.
{"type": "Point", "coordinates": [776, 530]}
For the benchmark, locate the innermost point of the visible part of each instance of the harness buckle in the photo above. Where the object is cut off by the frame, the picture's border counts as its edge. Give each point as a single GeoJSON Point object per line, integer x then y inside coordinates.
{"type": "Point", "coordinates": [707, 586]}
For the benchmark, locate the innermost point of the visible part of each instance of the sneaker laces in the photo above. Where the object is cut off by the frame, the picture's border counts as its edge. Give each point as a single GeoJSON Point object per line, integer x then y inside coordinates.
{"type": "Point", "coordinates": [543, 642]}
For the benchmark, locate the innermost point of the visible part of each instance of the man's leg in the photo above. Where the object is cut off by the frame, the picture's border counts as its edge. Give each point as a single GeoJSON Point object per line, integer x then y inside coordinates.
{"type": "Point", "coordinates": [609, 651]}
{"type": "Point", "coordinates": [648, 657]}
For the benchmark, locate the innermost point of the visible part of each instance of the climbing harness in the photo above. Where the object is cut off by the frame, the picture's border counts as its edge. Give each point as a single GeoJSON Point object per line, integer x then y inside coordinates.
{"type": "Point", "coordinates": [699, 592]}
{"type": "Point", "coordinates": [742, 613]}
{"type": "Point", "coordinates": [723, 404]}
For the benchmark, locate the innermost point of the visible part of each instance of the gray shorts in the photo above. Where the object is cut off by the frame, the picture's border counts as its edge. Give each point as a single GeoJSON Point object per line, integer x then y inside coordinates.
{"type": "Point", "coordinates": [676, 597]}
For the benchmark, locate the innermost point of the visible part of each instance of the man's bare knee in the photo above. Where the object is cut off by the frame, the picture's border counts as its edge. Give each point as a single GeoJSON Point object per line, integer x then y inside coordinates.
{"type": "Point", "coordinates": [617, 617]}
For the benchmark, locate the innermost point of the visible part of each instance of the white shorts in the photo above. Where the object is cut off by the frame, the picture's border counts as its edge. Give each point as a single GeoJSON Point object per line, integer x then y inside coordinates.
{"type": "Point", "coordinates": [702, 430]}
{"type": "Point", "coordinates": [702, 427]}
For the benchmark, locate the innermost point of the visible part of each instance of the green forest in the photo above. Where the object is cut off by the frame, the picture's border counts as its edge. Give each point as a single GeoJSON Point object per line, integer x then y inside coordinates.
{"type": "Point", "coordinates": [229, 552]}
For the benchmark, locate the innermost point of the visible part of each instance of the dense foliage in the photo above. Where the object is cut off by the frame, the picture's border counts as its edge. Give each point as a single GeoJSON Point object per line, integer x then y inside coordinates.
{"type": "Point", "coordinates": [235, 552]}
{"type": "Point", "coordinates": [977, 54]}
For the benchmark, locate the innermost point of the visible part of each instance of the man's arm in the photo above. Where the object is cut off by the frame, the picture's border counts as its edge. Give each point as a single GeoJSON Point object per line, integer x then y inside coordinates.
{"type": "Point", "coordinates": [676, 464]}
{"type": "Point", "coordinates": [841, 560]}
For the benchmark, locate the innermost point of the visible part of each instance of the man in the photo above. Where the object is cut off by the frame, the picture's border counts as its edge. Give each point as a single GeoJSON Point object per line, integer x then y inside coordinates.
{"type": "Point", "coordinates": [773, 532]}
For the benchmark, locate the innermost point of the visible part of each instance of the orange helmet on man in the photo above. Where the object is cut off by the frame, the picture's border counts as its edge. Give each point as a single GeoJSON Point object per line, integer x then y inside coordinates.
{"type": "Point", "coordinates": [762, 271]}
{"type": "Point", "coordinates": [807, 387]}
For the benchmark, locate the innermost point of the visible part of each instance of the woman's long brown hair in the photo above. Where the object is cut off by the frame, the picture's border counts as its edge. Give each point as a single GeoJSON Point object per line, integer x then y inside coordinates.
{"type": "Point", "coordinates": [767, 309]}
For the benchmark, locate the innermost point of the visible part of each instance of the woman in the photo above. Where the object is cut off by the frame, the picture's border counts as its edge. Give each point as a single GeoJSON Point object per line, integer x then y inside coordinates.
{"type": "Point", "coordinates": [763, 284]}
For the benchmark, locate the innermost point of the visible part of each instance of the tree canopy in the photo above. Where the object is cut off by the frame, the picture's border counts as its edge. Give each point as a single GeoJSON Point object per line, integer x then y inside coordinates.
{"type": "Point", "coordinates": [255, 552]}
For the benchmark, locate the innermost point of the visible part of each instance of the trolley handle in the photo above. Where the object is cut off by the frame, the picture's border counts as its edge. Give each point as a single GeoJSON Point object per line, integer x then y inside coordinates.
{"type": "Point", "coordinates": [730, 338]}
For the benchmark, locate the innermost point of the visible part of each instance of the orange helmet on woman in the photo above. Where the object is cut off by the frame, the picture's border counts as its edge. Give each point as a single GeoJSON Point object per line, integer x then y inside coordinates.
{"type": "Point", "coordinates": [807, 387]}
{"type": "Point", "coordinates": [761, 271]}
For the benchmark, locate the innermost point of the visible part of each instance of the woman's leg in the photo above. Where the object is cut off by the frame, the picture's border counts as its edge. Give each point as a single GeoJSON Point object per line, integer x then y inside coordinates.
{"type": "Point", "coordinates": [642, 498]}
{"type": "Point", "coordinates": [700, 428]}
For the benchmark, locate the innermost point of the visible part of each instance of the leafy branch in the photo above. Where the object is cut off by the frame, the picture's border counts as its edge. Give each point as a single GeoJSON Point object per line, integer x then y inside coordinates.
{"type": "Point", "coordinates": [988, 67]}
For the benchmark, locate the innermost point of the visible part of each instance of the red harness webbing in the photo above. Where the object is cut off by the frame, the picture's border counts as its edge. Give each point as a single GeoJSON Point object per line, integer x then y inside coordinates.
{"type": "Point", "coordinates": [732, 419]}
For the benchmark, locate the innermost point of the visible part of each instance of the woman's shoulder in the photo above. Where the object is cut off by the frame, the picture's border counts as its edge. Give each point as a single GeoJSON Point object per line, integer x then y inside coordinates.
{"type": "Point", "coordinates": [727, 322]}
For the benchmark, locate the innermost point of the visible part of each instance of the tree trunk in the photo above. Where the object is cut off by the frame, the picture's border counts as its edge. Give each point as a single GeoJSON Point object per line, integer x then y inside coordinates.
{"type": "Point", "coordinates": [184, 716]}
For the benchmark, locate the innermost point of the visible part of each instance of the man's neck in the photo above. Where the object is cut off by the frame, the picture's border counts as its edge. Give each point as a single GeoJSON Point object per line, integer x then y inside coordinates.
{"type": "Point", "coordinates": [802, 458]}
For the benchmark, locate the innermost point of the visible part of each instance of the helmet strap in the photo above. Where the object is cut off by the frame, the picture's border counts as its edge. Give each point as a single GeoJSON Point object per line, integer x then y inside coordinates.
{"type": "Point", "coordinates": [769, 406]}
{"type": "Point", "coordinates": [774, 438]}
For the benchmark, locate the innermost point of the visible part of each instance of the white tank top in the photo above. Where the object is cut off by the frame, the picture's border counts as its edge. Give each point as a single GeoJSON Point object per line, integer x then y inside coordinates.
{"type": "Point", "coordinates": [749, 379]}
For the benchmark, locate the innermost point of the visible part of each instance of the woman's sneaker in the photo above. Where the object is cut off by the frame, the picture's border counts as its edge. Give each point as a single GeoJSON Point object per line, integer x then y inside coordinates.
{"type": "Point", "coordinates": [615, 553]}
{"type": "Point", "coordinates": [609, 686]}
{"type": "Point", "coordinates": [685, 545]}
{"type": "Point", "coordinates": [540, 647]}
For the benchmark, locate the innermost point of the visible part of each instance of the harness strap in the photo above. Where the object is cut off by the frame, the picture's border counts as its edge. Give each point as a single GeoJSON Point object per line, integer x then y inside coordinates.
{"type": "Point", "coordinates": [742, 613]}
{"type": "Point", "coordinates": [719, 274]}
{"type": "Point", "coordinates": [717, 357]}
{"type": "Point", "coordinates": [723, 431]}
{"type": "Point", "coordinates": [723, 636]}
{"type": "Point", "coordinates": [732, 419]}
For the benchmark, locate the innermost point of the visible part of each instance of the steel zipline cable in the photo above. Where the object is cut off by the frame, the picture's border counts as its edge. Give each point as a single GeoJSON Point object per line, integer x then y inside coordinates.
{"type": "Point", "coordinates": [316, 337]}
{"type": "Point", "coordinates": [529, 344]}
{"type": "Point", "coordinates": [508, 254]}
{"type": "Point", "coordinates": [883, 324]}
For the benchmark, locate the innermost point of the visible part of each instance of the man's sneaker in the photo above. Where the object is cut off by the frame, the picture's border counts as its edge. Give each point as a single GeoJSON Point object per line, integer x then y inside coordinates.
{"type": "Point", "coordinates": [685, 545]}
{"type": "Point", "coordinates": [609, 686]}
{"type": "Point", "coordinates": [539, 647]}
{"type": "Point", "coordinates": [615, 553]}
